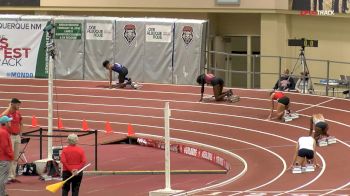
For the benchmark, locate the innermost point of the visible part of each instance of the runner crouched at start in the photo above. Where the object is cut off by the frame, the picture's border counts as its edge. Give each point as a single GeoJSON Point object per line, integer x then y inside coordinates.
{"type": "Point", "coordinates": [304, 159]}
{"type": "Point", "coordinates": [218, 86]}
{"type": "Point", "coordinates": [321, 130]}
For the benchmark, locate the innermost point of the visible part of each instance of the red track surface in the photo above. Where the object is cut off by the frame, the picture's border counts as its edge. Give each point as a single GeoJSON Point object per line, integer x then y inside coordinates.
{"type": "Point", "coordinates": [241, 128]}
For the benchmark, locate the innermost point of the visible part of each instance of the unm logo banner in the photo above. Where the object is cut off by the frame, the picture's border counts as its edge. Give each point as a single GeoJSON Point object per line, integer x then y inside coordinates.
{"type": "Point", "coordinates": [129, 33]}
{"type": "Point", "coordinates": [187, 34]}
{"type": "Point", "coordinates": [22, 49]}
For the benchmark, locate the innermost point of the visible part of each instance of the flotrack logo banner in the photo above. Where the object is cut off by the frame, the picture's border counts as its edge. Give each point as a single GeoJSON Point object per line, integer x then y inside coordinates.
{"type": "Point", "coordinates": [317, 13]}
{"type": "Point", "coordinates": [20, 43]}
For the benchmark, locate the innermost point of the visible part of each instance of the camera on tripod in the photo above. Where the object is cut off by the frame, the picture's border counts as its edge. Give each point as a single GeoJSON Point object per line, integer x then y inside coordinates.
{"type": "Point", "coordinates": [303, 42]}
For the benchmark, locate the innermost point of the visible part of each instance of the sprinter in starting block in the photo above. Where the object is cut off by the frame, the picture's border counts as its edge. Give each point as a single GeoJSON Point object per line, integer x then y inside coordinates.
{"type": "Point", "coordinates": [218, 86]}
{"type": "Point", "coordinates": [304, 158]}
{"type": "Point", "coordinates": [282, 111]}
{"type": "Point", "coordinates": [321, 130]}
{"type": "Point", "coordinates": [123, 81]}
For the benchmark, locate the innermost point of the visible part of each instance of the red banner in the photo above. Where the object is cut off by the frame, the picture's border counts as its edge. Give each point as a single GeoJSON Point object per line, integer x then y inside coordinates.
{"type": "Point", "coordinates": [187, 150]}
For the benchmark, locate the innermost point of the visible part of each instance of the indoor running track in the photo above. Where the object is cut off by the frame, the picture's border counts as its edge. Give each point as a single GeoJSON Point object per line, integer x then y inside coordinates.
{"type": "Point", "coordinates": [260, 151]}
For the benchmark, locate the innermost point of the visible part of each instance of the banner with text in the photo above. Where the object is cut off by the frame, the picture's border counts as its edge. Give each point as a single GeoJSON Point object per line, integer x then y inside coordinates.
{"type": "Point", "coordinates": [20, 48]}
{"type": "Point", "coordinates": [68, 31]}
{"type": "Point", "coordinates": [99, 31]}
{"type": "Point", "coordinates": [158, 33]}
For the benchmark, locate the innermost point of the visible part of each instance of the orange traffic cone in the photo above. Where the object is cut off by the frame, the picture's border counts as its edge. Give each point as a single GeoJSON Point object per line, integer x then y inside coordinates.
{"type": "Point", "coordinates": [59, 123]}
{"type": "Point", "coordinates": [130, 130]}
{"type": "Point", "coordinates": [108, 127]}
{"type": "Point", "coordinates": [34, 121]}
{"type": "Point", "coordinates": [85, 126]}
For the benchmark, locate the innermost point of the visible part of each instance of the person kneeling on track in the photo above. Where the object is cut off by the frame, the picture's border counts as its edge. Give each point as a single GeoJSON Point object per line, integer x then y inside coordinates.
{"type": "Point", "coordinates": [282, 105]}
{"type": "Point", "coordinates": [321, 130]}
{"type": "Point", "coordinates": [121, 70]}
{"type": "Point", "coordinates": [305, 152]}
{"type": "Point", "coordinates": [218, 85]}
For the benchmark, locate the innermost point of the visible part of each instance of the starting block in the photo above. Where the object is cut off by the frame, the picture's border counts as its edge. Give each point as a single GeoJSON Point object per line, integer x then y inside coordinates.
{"type": "Point", "coordinates": [209, 99]}
{"type": "Point", "coordinates": [286, 118]}
{"type": "Point", "coordinates": [135, 85]}
{"type": "Point", "coordinates": [331, 140]}
{"type": "Point", "coordinates": [322, 142]}
{"type": "Point", "coordinates": [297, 170]}
{"type": "Point", "coordinates": [309, 168]}
{"type": "Point", "coordinates": [233, 98]}
{"type": "Point", "coordinates": [294, 115]}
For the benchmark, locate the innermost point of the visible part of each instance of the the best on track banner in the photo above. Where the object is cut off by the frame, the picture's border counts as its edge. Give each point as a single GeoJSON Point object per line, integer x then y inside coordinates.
{"type": "Point", "coordinates": [158, 33]}
{"type": "Point", "coordinates": [99, 31]}
{"type": "Point", "coordinates": [21, 49]}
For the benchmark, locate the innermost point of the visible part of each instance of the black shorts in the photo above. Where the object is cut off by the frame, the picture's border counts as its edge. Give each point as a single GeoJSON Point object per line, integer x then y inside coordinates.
{"type": "Point", "coordinates": [122, 75]}
{"type": "Point", "coordinates": [309, 154]}
{"type": "Point", "coordinates": [284, 100]}
{"type": "Point", "coordinates": [217, 81]}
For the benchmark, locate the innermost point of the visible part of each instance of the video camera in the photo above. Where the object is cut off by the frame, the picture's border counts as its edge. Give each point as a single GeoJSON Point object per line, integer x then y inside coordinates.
{"type": "Point", "coordinates": [303, 42]}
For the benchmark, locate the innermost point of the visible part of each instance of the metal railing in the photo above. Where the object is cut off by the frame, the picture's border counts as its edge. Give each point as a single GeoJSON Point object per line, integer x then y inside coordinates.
{"type": "Point", "coordinates": [256, 71]}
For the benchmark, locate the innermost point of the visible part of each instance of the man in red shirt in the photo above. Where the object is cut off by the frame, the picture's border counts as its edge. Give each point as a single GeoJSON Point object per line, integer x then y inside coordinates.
{"type": "Point", "coordinates": [73, 159]}
{"type": "Point", "coordinates": [6, 153]}
{"type": "Point", "coordinates": [15, 130]}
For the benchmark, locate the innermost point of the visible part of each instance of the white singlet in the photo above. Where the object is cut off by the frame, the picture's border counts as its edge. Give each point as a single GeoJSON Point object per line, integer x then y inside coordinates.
{"type": "Point", "coordinates": [306, 142]}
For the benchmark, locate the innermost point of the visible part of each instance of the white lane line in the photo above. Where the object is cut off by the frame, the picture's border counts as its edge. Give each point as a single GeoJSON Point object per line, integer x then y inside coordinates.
{"type": "Point", "coordinates": [278, 191]}
{"type": "Point", "coordinates": [215, 193]}
{"type": "Point", "coordinates": [315, 105]}
{"type": "Point", "coordinates": [102, 89]}
{"type": "Point", "coordinates": [25, 190]}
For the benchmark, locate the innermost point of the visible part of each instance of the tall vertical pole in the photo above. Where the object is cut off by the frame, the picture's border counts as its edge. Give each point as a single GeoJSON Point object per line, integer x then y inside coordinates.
{"type": "Point", "coordinates": [327, 85]}
{"type": "Point", "coordinates": [96, 155]}
{"type": "Point", "coordinates": [50, 110]}
{"type": "Point", "coordinates": [50, 55]}
{"type": "Point", "coordinates": [167, 145]}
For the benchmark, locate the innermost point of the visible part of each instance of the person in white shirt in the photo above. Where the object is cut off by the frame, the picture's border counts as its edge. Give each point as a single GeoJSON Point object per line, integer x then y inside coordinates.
{"type": "Point", "coordinates": [305, 152]}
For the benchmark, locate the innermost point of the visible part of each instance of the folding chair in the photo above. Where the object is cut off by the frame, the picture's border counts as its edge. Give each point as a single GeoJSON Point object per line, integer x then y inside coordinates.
{"type": "Point", "coordinates": [25, 142]}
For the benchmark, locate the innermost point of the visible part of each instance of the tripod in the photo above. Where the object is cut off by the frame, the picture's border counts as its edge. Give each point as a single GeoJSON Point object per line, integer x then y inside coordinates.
{"type": "Point", "coordinates": [306, 79]}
